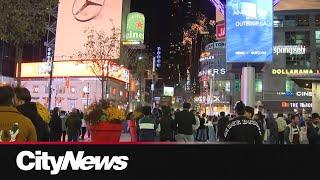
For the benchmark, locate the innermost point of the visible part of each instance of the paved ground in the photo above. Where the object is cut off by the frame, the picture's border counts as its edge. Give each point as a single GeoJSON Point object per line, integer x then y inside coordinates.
{"type": "Point", "coordinates": [125, 137]}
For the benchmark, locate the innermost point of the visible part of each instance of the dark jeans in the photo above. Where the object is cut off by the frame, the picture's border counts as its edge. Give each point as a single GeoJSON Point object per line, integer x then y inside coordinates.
{"type": "Point", "coordinates": [73, 136]}
{"type": "Point", "coordinates": [281, 137]}
{"type": "Point", "coordinates": [64, 133]}
{"type": "Point", "coordinates": [83, 132]}
{"type": "Point", "coordinates": [55, 136]}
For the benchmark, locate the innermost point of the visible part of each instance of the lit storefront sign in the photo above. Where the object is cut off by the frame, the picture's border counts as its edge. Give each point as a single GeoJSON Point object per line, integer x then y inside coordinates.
{"type": "Point", "coordinates": [296, 104]}
{"type": "Point", "coordinates": [213, 62]}
{"type": "Point", "coordinates": [294, 71]}
{"type": "Point", "coordinates": [168, 91]}
{"type": "Point", "coordinates": [292, 50]}
{"type": "Point", "coordinates": [207, 99]}
{"type": "Point", "coordinates": [220, 31]}
{"type": "Point", "coordinates": [211, 72]}
{"type": "Point", "coordinates": [135, 27]}
{"type": "Point", "coordinates": [299, 94]}
{"type": "Point", "coordinates": [70, 69]}
{"type": "Point", "coordinates": [216, 45]}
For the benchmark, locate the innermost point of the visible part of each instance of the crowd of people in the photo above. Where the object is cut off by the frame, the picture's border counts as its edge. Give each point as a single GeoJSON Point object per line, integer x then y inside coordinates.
{"type": "Point", "coordinates": [21, 121]}
{"type": "Point", "coordinates": [165, 124]}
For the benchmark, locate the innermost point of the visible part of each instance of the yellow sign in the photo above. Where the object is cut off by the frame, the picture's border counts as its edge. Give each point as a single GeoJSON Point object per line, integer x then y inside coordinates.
{"type": "Point", "coordinates": [293, 71]}
{"type": "Point", "coordinates": [69, 69]}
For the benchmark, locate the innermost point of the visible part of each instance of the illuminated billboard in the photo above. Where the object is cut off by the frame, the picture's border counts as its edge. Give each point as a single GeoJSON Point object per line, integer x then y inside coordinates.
{"type": "Point", "coordinates": [69, 69]}
{"type": "Point", "coordinates": [249, 30]}
{"type": "Point", "coordinates": [135, 27]}
{"type": "Point", "coordinates": [279, 5]}
{"type": "Point", "coordinates": [168, 91]}
{"type": "Point", "coordinates": [76, 16]}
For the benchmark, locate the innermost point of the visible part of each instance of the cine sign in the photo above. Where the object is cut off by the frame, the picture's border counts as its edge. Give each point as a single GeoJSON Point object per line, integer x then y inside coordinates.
{"type": "Point", "coordinates": [299, 94]}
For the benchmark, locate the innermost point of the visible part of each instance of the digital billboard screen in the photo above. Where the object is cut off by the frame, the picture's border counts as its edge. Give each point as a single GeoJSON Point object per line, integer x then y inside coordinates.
{"type": "Point", "coordinates": [249, 25]}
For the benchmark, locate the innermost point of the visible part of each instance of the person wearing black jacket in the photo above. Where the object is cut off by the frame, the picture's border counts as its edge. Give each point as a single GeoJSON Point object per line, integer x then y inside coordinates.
{"type": "Point", "coordinates": [184, 121]}
{"type": "Point", "coordinates": [242, 129]}
{"type": "Point", "coordinates": [313, 132]}
{"type": "Point", "coordinates": [222, 124]}
{"type": "Point", "coordinates": [166, 125]}
{"type": "Point", "coordinates": [55, 126]}
{"type": "Point", "coordinates": [22, 101]}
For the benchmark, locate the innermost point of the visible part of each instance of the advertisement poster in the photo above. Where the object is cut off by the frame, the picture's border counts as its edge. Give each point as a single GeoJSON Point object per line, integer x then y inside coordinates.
{"type": "Point", "coordinates": [249, 31]}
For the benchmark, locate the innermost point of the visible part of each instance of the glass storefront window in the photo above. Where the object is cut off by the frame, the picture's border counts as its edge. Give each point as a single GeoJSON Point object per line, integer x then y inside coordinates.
{"type": "Point", "coordinates": [296, 20]}
{"type": "Point", "coordinates": [237, 83]}
{"type": "Point", "coordinates": [317, 20]}
{"type": "Point", "coordinates": [289, 85]}
{"type": "Point", "coordinates": [298, 38]}
{"type": "Point", "coordinates": [258, 83]}
{"type": "Point", "coordinates": [298, 60]}
{"type": "Point", "coordinates": [317, 39]}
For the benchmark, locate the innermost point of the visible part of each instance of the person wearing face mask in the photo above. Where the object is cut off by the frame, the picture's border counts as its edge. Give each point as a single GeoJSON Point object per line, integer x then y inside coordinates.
{"type": "Point", "coordinates": [313, 132]}
{"type": "Point", "coordinates": [22, 101]}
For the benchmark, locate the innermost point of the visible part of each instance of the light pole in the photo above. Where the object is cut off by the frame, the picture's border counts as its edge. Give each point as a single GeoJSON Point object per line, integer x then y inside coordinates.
{"type": "Point", "coordinates": [86, 90]}
{"type": "Point", "coordinates": [153, 80]}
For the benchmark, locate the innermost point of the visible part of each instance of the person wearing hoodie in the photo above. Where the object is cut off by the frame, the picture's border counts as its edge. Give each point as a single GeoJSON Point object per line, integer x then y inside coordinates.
{"type": "Point", "coordinates": [282, 124]}
{"type": "Point", "coordinates": [73, 125]}
{"type": "Point", "coordinates": [22, 101]}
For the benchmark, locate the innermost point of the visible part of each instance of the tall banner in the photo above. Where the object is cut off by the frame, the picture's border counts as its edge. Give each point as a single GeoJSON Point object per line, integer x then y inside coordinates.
{"type": "Point", "coordinates": [135, 27]}
{"type": "Point", "coordinates": [249, 25]}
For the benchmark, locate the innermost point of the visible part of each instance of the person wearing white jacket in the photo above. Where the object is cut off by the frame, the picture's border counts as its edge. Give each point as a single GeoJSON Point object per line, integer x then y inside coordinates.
{"type": "Point", "coordinates": [292, 133]}
{"type": "Point", "coordinates": [211, 131]}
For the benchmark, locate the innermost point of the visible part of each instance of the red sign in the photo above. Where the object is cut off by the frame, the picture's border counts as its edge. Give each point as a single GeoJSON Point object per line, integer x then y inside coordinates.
{"type": "Point", "coordinates": [220, 31]}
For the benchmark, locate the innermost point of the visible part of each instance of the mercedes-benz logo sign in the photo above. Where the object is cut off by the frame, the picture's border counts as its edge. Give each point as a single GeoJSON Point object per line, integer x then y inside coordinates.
{"type": "Point", "coordinates": [86, 10]}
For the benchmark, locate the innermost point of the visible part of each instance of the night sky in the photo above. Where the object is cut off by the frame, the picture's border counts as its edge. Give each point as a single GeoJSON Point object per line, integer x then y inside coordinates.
{"type": "Point", "coordinates": [157, 15]}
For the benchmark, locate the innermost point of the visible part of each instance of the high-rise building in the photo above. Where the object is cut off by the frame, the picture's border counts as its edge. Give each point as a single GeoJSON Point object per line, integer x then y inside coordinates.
{"type": "Point", "coordinates": [184, 13]}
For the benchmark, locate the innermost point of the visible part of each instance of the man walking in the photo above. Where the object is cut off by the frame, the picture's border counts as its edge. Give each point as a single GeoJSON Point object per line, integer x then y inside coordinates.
{"type": "Point", "coordinates": [73, 125]}
{"type": "Point", "coordinates": [184, 121]}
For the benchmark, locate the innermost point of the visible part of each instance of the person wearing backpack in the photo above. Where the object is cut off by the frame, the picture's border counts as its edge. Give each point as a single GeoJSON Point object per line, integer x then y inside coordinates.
{"type": "Point", "coordinates": [282, 124]}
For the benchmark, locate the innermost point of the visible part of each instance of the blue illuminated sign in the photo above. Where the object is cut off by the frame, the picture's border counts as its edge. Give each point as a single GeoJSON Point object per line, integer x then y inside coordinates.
{"type": "Point", "coordinates": [249, 30]}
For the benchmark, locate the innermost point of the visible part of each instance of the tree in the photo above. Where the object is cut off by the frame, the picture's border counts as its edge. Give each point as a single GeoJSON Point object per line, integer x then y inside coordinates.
{"type": "Point", "coordinates": [100, 51]}
{"type": "Point", "coordinates": [24, 22]}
